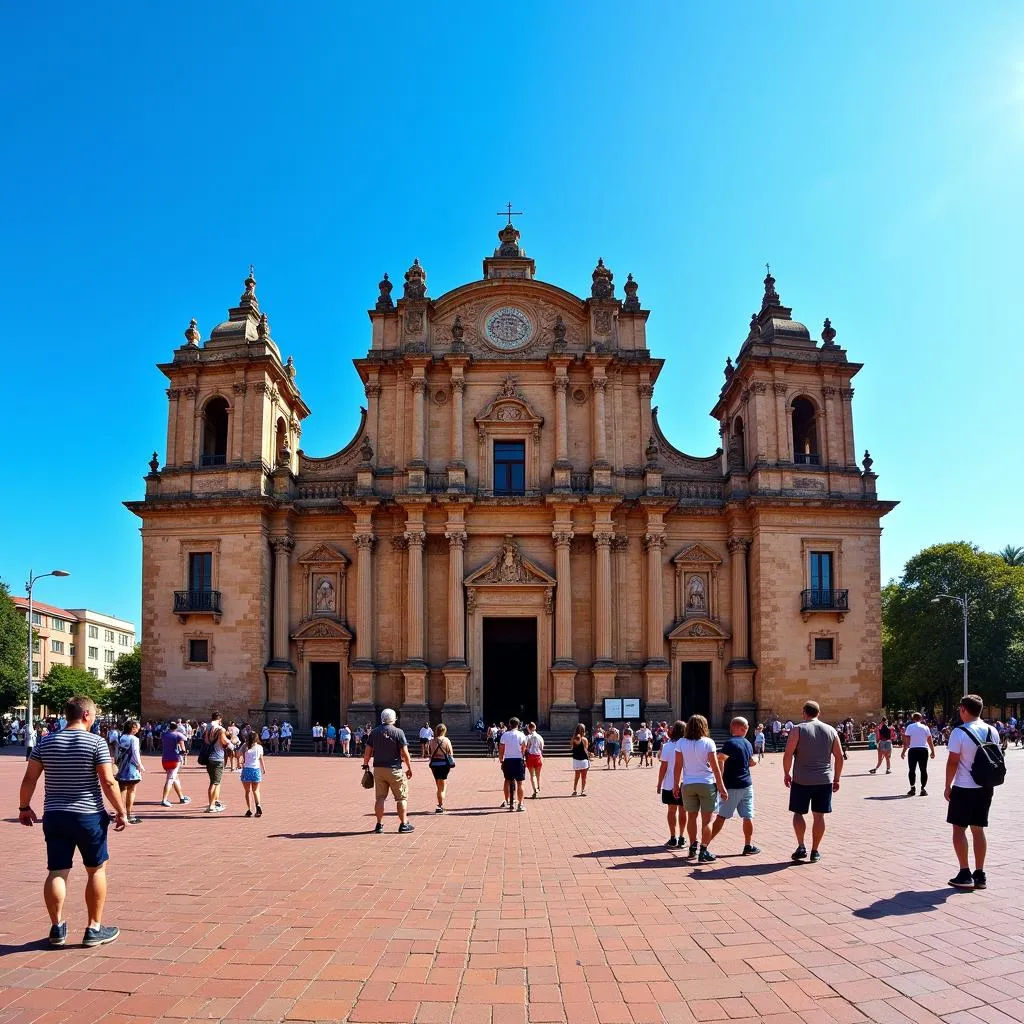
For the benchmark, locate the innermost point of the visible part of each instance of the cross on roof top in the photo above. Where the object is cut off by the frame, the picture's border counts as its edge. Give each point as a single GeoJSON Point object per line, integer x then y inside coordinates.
{"type": "Point", "coordinates": [509, 212]}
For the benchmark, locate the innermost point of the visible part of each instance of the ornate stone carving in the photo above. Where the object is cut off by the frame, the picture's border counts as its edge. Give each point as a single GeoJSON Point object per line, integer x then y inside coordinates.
{"type": "Point", "coordinates": [173, 394]}
{"type": "Point", "coordinates": [696, 594]}
{"type": "Point", "coordinates": [645, 390]}
{"type": "Point", "coordinates": [240, 387]}
{"type": "Point", "coordinates": [579, 396]}
{"type": "Point", "coordinates": [549, 601]}
{"type": "Point", "coordinates": [599, 384]}
{"type": "Point", "coordinates": [263, 327]}
{"type": "Point", "coordinates": [759, 387]}
{"type": "Point", "coordinates": [699, 630]}
{"type": "Point", "coordinates": [779, 388]}
{"type": "Point", "coordinates": [829, 392]}
{"type": "Point", "coordinates": [737, 544]}
{"type": "Point", "coordinates": [364, 541]}
{"type": "Point", "coordinates": [508, 412]}
{"type": "Point", "coordinates": [868, 461]}
{"type": "Point", "coordinates": [282, 544]}
{"type": "Point", "coordinates": [415, 538]}
{"type": "Point", "coordinates": [262, 387]}
{"type": "Point", "coordinates": [440, 397]}
{"type": "Point", "coordinates": [324, 598]}
{"type": "Point", "coordinates": [729, 368]}
{"type": "Point", "coordinates": [414, 321]}
{"type": "Point", "coordinates": [510, 387]}
{"type": "Point", "coordinates": [400, 542]}
{"type": "Point", "coordinates": [415, 282]}
{"type": "Point", "coordinates": [602, 287]}
{"type": "Point", "coordinates": [651, 451]}
{"type": "Point", "coordinates": [562, 538]}
{"type": "Point", "coordinates": [471, 601]}
{"type": "Point", "coordinates": [456, 538]}
{"type": "Point", "coordinates": [190, 391]}
{"type": "Point", "coordinates": [154, 463]}
{"type": "Point", "coordinates": [457, 332]}
{"type": "Point", "coordinates": [418, 385]}
{"type": "Point", "coordinates": [559, 332]}
{"type": "Point", "coordinates": [603, 321]}
{"type": "Point", "coordinates": [603, 539]}
{"type": "Point", "coordinates": [620, 542]}
{"type": "Point", "coordinates": [192, 335]}
{"type": "Point", "coordinates": [366, 451]}
{"type": "Point", "coordinates": [561, 383]}
{"type": "Point", "coordinates": [458, 385]}
{"type": "Point", "coordinates": [385, 304]}
{"type": "Point", "coordinates": [372, 391]}
{"type": "Point", "coordinates": [828, 334]}
{"type": "Point", "coordinates": [846, 394]}
{"type": "Point", "coordinates": [654, 541]}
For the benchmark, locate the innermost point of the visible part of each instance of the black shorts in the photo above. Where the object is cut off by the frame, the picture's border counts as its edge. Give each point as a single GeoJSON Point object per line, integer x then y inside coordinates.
{"type": "Point", "coordinates": [668, 797]}
{"type": "Point", "coordinates": [643, 746]}
{"type": "Point", "coordinates": [969, 806]}
{"type": "Point", "coordinates": [440, 771]}
{"type": "Point", "coordinates": [817, 798]}
{"type": "Point", "coordinates": [65, 832]}
{"type": "Point", "coordinates": [514, 769]}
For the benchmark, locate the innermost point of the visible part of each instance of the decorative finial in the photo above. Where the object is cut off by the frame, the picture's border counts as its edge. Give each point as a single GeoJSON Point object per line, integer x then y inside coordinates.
{"type": "Point", "coordinates": [755, 327]}
{"type": "Point", "coordinates": [632, 303]}
{"type": "Point", "coordinates": [415, 282]}
{"type": "Point", "coordinates": [263, 328]}
{"type": "Point", "coordinates": [729, 368]}
{"type": "Point", "coordinates": [384, 301]}
{"type": "Point", "coordinates": [154, 464]}
{"type": "Point", "coordinates": [249, 295]}
{"type": "Point", "coordinates": [868, 461]}
{"type": "Point", "coordinates": [559, 332]}
{"type": "Point", "coordinates": [771, 296]}
{"type": "Point", "coordinates": [192, 333]}
{"type": "Point", "coordinates": [289, 367]}
{"type": "Point", "coordinates": [602, 288]}
{"type": "Point", "coordinates": [828, 334]}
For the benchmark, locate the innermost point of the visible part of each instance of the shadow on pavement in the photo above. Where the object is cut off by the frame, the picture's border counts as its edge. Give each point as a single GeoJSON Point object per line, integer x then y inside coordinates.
{"type": "Point", "coordinates": [322, 835]}
{"type": "Point", "coordinates": [32, 946]}
{"type": "Point", "coordinates": [907, 902]}
{"type": "Point", "coordinates": [888, 796]}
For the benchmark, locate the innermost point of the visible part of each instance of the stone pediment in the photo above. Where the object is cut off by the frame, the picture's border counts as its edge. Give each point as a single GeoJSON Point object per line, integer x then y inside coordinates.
{"type": "Point", "coordinates": [323, 556]}
{"type": "Point", "coordinates": [509, 405]}
{"type": "Point", "coordinates": [509, 567]}
{"type": "Point", "coordinates": [697, 554]}
{"type": "Point", "coordinates": [698, 629]}
{"type": "Point", "coordinates": [322, 628]}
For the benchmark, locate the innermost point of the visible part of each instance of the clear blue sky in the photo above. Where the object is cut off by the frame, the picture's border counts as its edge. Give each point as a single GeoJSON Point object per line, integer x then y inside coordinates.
{"type": "Point", "coordinates": [871, 152]}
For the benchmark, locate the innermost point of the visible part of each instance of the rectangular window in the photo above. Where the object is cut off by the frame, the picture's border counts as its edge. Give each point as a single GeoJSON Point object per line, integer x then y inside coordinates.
{"type": "Point", "coordinates": [94, 653]}
{"type": "Point", "coordinates": [108, 635]}
{"type": "Point", "coordinates": [35, 669]}
{"type": "Point", "coordinates": [199, 651]}
{"type": "Point", "coordinates": [824, 649]}
{"type": "Point", "coordinates": [37, 619]}
{"type": "Point", "coordinates": [57, 646]}
{"type": "Point", "coordinates": [94, 632]}
{"type": "Point", "coordinates": [93, 672]}
{"type": "Point", "coordinates": [821, 570]}
{"type": "Point", "coordinates": [35, 645]}
{"type": "Point", "coordinates": [509, 467]}
{"type": "Point", "coordinates": [72, 651]}
{"type": "Point", "coordinates": [72, 628]}
{"type": "Point", "coordinates": [108, 657]}
{"type": "Point", "coordinates": [57, 624]}
{"type": "Point", "coordinates": [200, 571]}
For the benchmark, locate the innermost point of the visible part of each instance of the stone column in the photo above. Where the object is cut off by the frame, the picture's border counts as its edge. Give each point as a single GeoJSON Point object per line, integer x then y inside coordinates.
{"type": "Point", "coordinates": [657, 667]}
{"type": "Point", "coordinates": [561, 386]}
{"type": "Point", "coordinates": [646, 392]}
{"type": "Point", "coordinates": [414, 707]}
{"type": "Point", "coordinates": [829, 442]}
{"type": "Point", "coordinates": [563, 716]}
{"type": "Point", "coordinates": [458, 447]}
{"type": "Point", "coordinates": [846, 394]}
{"type": "Point", "coordinates": [281, 696]}
{"type": "Point", "coordinates": [456, 671]}
{"type": "Point", "coordinates": [602, 467]}
{"type": "Point", "coordinates": [363, 708]}
{"type": "Point", "coordinates": [781, 424]}
{"type": "Point", "coordinates": [740, 670]}
{"type": "Point", "coordinates": [603, 669]}
{"type": "Point", "coordinates": [417, 477]}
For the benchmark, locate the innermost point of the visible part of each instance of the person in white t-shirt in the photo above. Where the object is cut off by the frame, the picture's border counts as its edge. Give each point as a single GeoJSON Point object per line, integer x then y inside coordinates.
{"type": "Point", "coordinates": [534, 757]}
{"type": "Point", "coordinates": [969, 803]}
{"type": "Point", "coordinates": [666, 781]}
{"type": "Point", "coordinates": [318, 737]}
{"type": "Point", "coordinates": [512, 758]}
{"type": "Point", "coordinates": [917, 739]}
{"type": "Point", "coordinates": [426, 735]}
{"type": "Point", "coordinates": [697, 777]}
{"type": "Point", "coordinates": [644, 736]}
{"type": "Point", "coordinates": [286, 737]}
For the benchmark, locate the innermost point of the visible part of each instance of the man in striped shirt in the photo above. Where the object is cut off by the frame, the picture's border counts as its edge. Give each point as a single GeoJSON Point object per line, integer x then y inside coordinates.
{"type": "Point", "coordinates": [78, 773]}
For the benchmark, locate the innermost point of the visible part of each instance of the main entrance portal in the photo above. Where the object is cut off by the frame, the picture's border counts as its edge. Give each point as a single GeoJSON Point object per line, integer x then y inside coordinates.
{"type": "Point", "coordinates": [325, 692]}
{"type": "Point", "coordinates": [510, 669]}
{"type": "Point", "coordinates": [696, 683]}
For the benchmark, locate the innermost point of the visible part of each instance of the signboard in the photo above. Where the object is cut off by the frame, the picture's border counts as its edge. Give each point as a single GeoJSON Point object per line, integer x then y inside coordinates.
{"type": "Point", "coordinates": [630, 707]}
{"type": "Point", "coordinates": [35, 687]}
{"type": "Point", "coordinates": [1015, 695]}
{"type": "Point", "coordinates": [613, 707]}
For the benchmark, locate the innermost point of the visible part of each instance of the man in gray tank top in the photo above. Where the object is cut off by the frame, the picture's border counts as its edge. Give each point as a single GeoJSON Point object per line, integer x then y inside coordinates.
{"type": "Point", "coordinates": [810, 778]}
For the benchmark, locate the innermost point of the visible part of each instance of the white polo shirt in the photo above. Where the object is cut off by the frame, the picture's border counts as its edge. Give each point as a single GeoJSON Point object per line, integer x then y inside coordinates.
{"type": "Point", "coordinates": [918, 733]}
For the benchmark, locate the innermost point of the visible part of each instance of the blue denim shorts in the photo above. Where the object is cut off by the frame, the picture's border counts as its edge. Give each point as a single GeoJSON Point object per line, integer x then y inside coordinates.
{"type": "Point", "coordinates": [65, 832]}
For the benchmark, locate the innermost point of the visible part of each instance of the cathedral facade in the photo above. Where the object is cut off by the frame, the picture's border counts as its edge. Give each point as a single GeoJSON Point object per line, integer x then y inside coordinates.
{"type": "Point", "coordinates": [509, 531]}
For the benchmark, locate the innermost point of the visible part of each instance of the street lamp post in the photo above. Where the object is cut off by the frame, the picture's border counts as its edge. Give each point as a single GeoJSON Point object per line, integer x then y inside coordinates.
{"type": "Point", "coordinates": [30, 730]}
{"type": "Point", "coordinates": [962, 601]}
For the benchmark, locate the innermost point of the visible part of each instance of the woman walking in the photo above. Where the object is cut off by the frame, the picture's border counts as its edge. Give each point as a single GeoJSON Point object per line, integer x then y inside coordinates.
{"type": "Point", "coordinates": [534, 757]}
{"type": "Point", "coordinates": [253, 770]}
{"type": "Point", "coordinates": [627, 744]}
{"type": "Point", "coordinates": [580, 759]}
{"type": "Point", "coordinates": [442, 759]}
{"type": "Point", "coordinates": [129, 767]}
{"type": "Point", "coordinates": [884, 748]}
{"type": "Point", "coordinates": [611, 747]}
{"type": "Point", "coordinates": [698, 779]}
{"type": "Point", "coordinates": [666, 783]}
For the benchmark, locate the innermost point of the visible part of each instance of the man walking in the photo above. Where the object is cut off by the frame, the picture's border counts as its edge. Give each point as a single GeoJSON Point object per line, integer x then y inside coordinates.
{"type": "Point", "coordinates": [776, 733]}
{"type": "Point", "coordinates": [389, 749]}
{"type": "Point", "coordinates": [216, 739]}
{"type": "Point", "coordinates": [737, 758]}
{"type": "Point", "coordinates": [172, 745]}
{"type": "Point", "coordinates": [969, 800]}
{"type": "Point", "coordinates": [511, 755]}
{"type": "Point", "coordinates": [917, 740]}
{"type": "Point", "coordinates": [809, 776]}
{"type": "Point", "coordinates": [77, 774]}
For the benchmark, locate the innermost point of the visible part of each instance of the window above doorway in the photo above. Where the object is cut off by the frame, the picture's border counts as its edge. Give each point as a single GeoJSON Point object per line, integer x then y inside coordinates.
{"type": "Point", "coordinates": [509, 467]}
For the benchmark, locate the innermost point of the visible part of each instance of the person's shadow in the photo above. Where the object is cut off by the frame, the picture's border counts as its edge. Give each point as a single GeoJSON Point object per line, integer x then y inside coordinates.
{"type": "Point", "coordinates": [907, 902]}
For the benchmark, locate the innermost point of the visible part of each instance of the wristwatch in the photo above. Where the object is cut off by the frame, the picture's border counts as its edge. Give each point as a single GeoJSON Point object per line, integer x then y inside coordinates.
{"type": "Point", "coordinates": [24, 808]}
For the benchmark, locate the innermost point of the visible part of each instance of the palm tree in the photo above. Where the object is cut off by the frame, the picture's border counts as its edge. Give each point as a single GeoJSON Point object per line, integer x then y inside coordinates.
{"type": "Point", "coordinates": [1012, 555]}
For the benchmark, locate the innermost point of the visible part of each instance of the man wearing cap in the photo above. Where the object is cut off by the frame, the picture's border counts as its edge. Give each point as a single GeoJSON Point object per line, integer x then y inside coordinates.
{"type": "Point", "coordinates": [389, 749]}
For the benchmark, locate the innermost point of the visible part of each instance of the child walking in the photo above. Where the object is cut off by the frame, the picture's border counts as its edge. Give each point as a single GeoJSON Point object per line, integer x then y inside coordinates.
{"type": "Point", "coordinates": [253, 770]}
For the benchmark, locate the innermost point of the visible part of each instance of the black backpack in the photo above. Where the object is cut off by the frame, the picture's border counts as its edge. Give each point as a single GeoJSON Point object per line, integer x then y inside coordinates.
{"type": "Point", "coordinates": [206, 746]}
{"type": "Point", "coordinates": [989, 766]}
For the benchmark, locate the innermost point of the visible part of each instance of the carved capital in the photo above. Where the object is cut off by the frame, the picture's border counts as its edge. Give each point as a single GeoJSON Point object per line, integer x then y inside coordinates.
{"type": "Point", "coordinates": [262, 387]}
{"type": "Point", "coordinates": [599, 384]}
{"type": "Point", "coordinates": [471, 600]}
{"type": "Point", "coordinates": [645, 390]}
{"type": "Point", "coordinates": [738, 544]}
{"type": "Point", "coordinates": [173, 393]}
{"type": "Point", "coordinates": [279, 544]}
{"type": "Point", "coordinates": [372, 390]}
{"type": "Point", "coordinates": [620, 542]}
{"type": "Point", "coordinates": [364, 541]}
{"type": "Point", "coordinates": [240, 387]}
{"type": "Point", "coordinates": [549, 601]}
{"type": "Point", "coordinates": [415, 538]}
{"type": "Point", "coordinates": [603, 539]}
{"type": "Point", "coordinates": [561, 384]}
{"type": "Point", "coordinates": [654, 541]}
{"type": "Point", "coordinates": [780, 388]}
{"type": "Point", "coordinates": [456, 538]}
{"type": "Point", "coordinates": [535, 435]}
{"type": "Point", "coordinates": [562, 538]}
{"type": "Point", "coordinates": [846, 394]}
{"type": "Point", "coordinates": [745, 396]}
{"type": "Point", "coordinates": [481, 437]}
{"type": "Point", "coordinates": [419, 385]}
{"type": "Point", "coordinates": [458, 385]}
{"type": "Point", "coordinates": [829, 392]}
{"type": "Point", "coordinates": [759, 387]}
{"type": "Point", "coordinates": [190, 391]}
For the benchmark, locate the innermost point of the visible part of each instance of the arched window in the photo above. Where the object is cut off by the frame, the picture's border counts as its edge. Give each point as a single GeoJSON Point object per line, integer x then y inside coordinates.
{"type": "Point", "coordinates": [281, 452]}
{"type": "Point", "coordinates": [805, 433]}
{"type": "Point", "coordinates": [215, 433]}
{"type": "Point", "coordinates": [738, 455]}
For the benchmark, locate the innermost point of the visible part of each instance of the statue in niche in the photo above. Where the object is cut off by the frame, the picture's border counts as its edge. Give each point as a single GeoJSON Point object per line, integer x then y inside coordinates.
{"type": "Point", "coordinates": [324, 596]}
{"type": "Point", "coordinates": [696, 596]}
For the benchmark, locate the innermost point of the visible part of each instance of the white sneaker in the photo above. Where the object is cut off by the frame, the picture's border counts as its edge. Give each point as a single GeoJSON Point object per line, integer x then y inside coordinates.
{"type": "Point", "coordinates": [165, 803]}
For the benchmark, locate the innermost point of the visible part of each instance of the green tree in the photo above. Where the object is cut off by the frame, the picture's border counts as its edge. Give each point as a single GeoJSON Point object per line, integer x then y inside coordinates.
{"type": "Point", "coordinates": [65, 681]}
{"type": "Point", "coordinates": [125, 681]}
{"type": "Point", "coordinates": [922, 641]}
{"type": "Point", "coordinates": [13, 648]}
{"type": "Point", "coordinates": [1012, 555]}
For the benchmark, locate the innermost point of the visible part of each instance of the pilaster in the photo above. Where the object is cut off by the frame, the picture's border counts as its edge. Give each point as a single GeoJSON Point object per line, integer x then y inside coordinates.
{"type": "Point", "coordinates": [415, 670]}
{"type": "Point", "coordinates": [563, 672]}
{"type": "Point", "coordinates": [363, 671]}
{"type": "Point", "coordinates": [657, 667]}
{"type": "Point", "coordinates": [456, 671]}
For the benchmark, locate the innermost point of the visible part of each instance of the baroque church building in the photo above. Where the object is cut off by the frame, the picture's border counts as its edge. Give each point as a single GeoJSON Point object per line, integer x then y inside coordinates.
{"type": "Point", "coordinates": [509, 531]}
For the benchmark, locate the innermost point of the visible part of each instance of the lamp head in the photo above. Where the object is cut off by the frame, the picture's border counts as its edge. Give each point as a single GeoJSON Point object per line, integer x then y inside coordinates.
{"type": "Point", "coordinates": [936, 600]}
{"type": "Point", "coordinates": [60, 572]}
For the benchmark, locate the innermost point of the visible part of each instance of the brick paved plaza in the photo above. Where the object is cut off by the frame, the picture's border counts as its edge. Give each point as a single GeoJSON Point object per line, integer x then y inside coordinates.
{"type": "Point", "coordinates": [572, 911]}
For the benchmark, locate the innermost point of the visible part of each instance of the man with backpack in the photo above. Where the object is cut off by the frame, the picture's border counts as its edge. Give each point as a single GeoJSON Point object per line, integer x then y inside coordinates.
{"type": "Point", "coordinates": [211, 754]}
{"type": "Point", "coordinates": [975, 766]}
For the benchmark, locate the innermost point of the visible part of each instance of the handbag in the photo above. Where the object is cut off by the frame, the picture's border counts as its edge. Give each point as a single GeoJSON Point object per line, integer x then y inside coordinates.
{"type": "Point", "coordinates": [448, 759]}
{"type": "Point", "coordinates": [367, 780]}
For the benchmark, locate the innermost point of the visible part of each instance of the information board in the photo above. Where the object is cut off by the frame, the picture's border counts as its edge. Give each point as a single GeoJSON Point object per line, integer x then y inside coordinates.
{"type": "Point", "coordinates": [613, 707]}
{"type": "Point", "coordinates": [630, 707]}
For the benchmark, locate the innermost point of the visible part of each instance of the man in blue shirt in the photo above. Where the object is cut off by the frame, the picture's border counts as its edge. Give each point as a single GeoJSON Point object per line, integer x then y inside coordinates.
{"type": "Point", "coordinates": [737, 758]}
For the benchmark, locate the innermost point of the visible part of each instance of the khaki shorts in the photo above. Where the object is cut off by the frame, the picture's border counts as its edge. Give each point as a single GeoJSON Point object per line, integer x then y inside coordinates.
{"type": "Point", "coordinates": [700, 796]}
{"type": "Point", "coordinates": [390, 780]}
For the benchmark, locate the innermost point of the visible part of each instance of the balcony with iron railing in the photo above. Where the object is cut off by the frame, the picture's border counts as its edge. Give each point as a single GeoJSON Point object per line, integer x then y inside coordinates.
{"type": "Point", "coordinates": [189, 602]}
{"type": "Point", "coordinates": [817, 600]}
{"type": "Point", "coordinates": [214, 459]}
{"type": "Point", "coordinates": [807, 459]}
